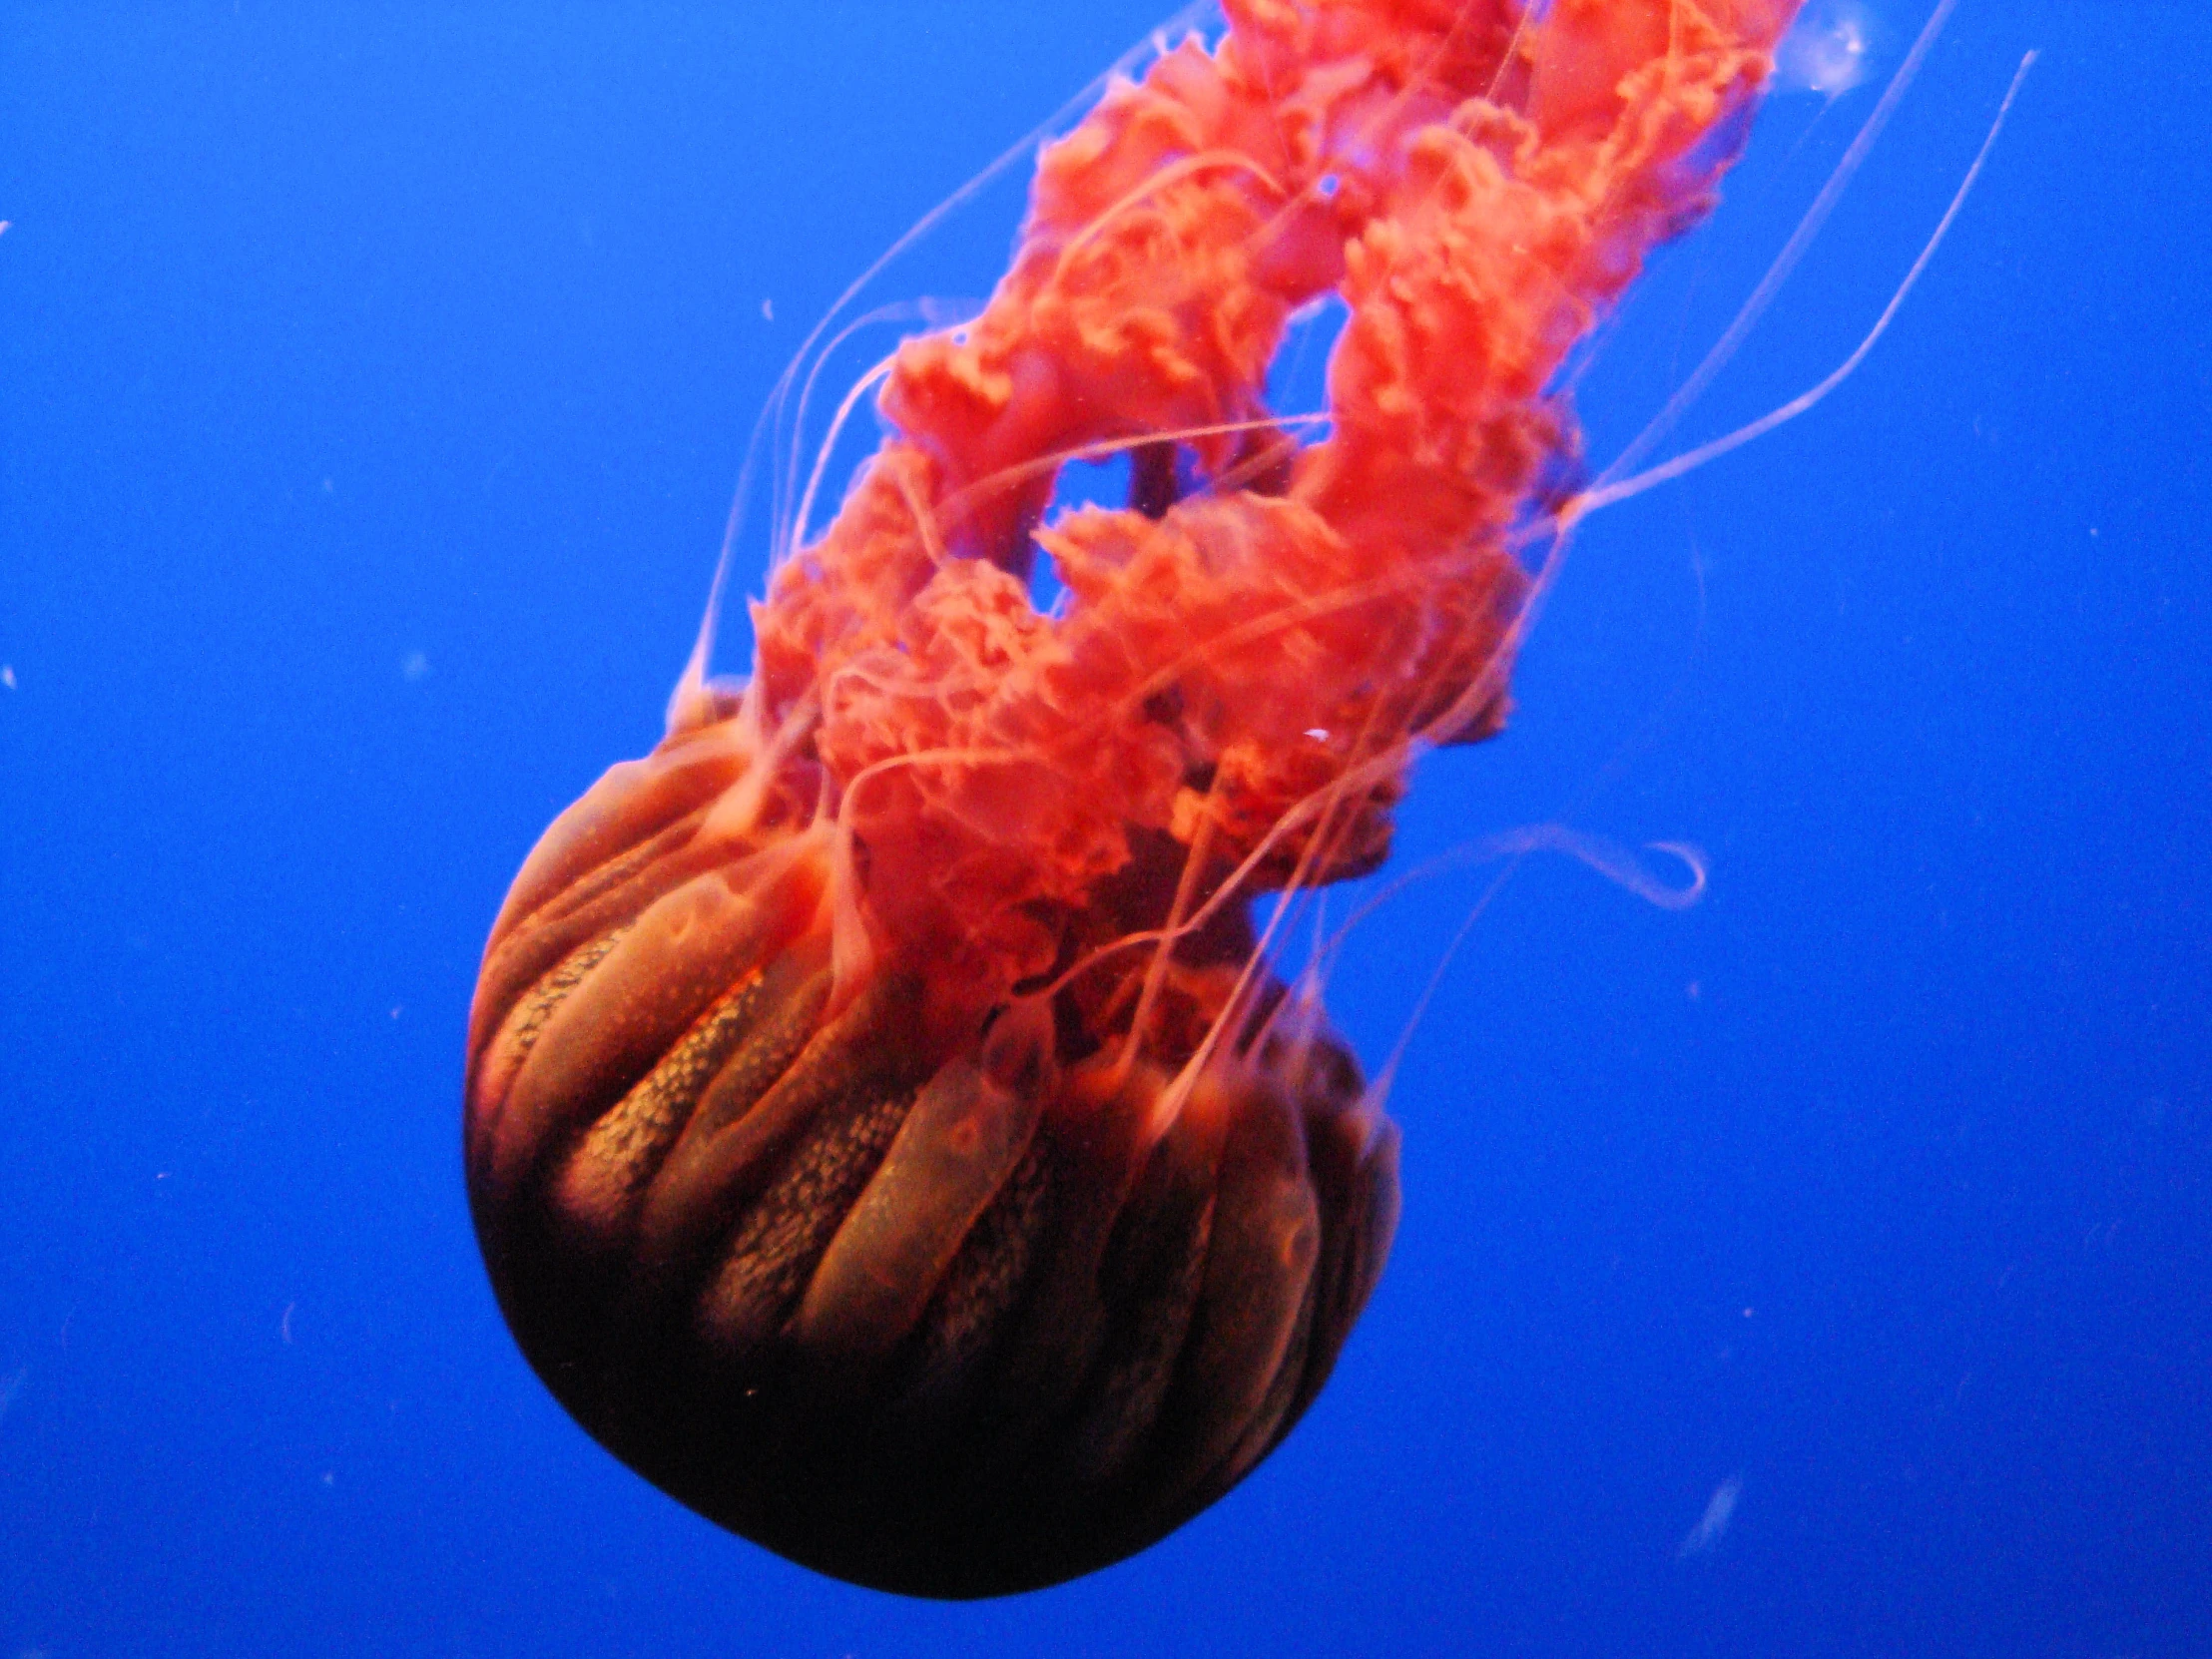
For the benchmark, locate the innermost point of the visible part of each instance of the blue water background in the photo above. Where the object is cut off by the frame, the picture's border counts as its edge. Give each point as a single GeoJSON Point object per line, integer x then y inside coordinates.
{"type": "Point", "coordinates": [373, 380]}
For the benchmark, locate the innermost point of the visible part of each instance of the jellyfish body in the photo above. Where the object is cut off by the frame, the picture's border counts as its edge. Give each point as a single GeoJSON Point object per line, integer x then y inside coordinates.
{"type": "Point", "coordinates": [884, 1130]}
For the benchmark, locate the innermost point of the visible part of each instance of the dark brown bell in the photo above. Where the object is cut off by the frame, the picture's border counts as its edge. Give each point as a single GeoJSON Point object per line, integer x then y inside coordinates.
{"type": "Point", "coordinates": [947, 1323]}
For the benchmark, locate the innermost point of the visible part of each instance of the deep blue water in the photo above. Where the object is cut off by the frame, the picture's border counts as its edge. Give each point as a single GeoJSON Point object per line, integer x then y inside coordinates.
{"type": "Point", "coordinates": [373, 380]}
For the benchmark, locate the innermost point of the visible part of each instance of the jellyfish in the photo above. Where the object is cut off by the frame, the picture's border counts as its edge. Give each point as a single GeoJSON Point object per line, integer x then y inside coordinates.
{"type": "Point", "coordinates": [889, 1129]}
{"type": "Point", "coordinates": [1831, 50]}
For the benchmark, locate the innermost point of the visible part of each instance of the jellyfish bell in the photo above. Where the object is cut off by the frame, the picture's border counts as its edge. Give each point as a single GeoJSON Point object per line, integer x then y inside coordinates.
{"type": "Point", "coordinates": [948, 1317]}
{"type": "Point", "coordinates": [885, 1126]}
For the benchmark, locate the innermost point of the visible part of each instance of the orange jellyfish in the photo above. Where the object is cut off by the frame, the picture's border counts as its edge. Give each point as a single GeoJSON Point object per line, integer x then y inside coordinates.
{"type": "Point", "coordinates": [885, 1130]}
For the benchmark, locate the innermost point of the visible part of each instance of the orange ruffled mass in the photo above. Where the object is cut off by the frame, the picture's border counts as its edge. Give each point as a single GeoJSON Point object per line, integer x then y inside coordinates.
{"type": "Point", "coordinates": [1245, 657]}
